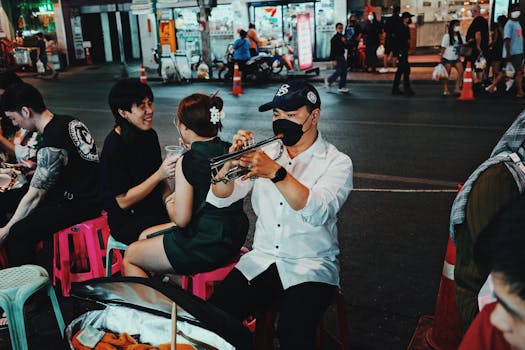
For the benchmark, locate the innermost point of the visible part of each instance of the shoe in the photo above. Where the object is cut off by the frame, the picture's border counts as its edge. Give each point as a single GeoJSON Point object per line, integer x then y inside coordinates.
{"type": "Point", "coordinates": [491, 89]}
{"type": "Point", "coordinates": [327, 84]}
{"type": "Point", "coordinates": [383, 70]}
{"type": "Point", "coordinates": [397, 92]}
{"type": "Point", "coordinates": [409, 92]}
{"type": "Point", "coordinates": [508, 84]}
{"type": "Point", "coordinates": [520, 95]}
{"type": "Point", "coordinates": [343, 89]}
{"type": "Point", "coordinates": [446, 93]}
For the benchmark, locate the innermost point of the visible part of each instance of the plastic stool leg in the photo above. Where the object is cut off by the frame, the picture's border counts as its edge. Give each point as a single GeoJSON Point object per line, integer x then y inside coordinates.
{"type": "Point", "coordinates": [109, 261]}
{"type": "Point", "coordinates": [56, 309]}
{"type": "Point", "coordinates": [17, 322]}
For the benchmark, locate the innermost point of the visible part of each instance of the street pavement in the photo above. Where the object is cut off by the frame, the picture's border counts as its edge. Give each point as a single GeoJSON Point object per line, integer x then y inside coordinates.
{"type": "Point", "coordinates": [409, 154]}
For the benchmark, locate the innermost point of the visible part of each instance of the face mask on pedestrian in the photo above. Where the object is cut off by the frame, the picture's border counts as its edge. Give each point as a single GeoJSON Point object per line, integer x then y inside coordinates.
{"type": "Point", "coordinates": [292, 131]}
{"type": "Point", "coordinates": [515, 14]}
{"type": "Point", "coordinates": [370, 18]}
{"type": "Point", "coordinates": [457, 29]}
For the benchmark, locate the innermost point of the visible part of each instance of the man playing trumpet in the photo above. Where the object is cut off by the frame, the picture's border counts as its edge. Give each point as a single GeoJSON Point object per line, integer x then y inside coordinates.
{"type": "Point", "coordinates": [296, 198]}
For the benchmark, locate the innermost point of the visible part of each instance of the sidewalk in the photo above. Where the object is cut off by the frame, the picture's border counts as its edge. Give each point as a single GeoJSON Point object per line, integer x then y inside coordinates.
{"type": "Point", "coordinates": [421, 72]}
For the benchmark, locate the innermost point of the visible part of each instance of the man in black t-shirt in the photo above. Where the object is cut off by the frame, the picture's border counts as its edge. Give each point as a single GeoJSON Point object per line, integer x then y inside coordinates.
{"type": "Point", "coordinates": [478, 38]}
{"type": "Point", "coordinates": [64, 188]}
{"type": "Point", "coordinates": [337, 55]}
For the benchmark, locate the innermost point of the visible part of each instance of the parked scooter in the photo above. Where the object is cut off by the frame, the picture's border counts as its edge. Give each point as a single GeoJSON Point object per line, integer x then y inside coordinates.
{"type": "Point", "coordinates": [256, 68]}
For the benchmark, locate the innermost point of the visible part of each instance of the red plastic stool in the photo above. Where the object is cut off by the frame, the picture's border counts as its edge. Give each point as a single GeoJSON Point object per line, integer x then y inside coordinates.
{"type": "Point", "coordinates": [202, 283]}
{"type": "Point", "coordinates": [265, 328]}
{"type": "Point", "coordinates": [81, 245]}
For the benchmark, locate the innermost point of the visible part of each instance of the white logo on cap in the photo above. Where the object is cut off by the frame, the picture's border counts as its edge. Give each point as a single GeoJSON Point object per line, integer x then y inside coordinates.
{"type": "Point", "coordinates": [283, 90]}
{"type": "Point", "coordinates": [311, 97]}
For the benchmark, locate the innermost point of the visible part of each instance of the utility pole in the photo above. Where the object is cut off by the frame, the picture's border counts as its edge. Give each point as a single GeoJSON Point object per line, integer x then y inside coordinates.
{"type": "Point", "coordinates": [205, 9]}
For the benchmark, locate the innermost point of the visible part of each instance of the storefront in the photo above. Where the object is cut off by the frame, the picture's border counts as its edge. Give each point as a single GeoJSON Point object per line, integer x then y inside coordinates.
{"type": "Point", "coordinates": [276, 21]}
{"type": "Point", "coordinates": [27, 18]}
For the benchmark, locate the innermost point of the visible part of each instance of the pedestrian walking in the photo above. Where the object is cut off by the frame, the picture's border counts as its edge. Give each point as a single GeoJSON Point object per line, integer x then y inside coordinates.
{"type": "Point", "coordinates": [450, 46]}
{"type": "Point", "coordinates": [401, 36]}
{"type": "Point", "coordinates": [478, 38]}
{"type": "Point", "coordinates": [496, 51]}
{"type": "Point", "coordinates": [337, 55]}
{"type": "Point", "coordinates": [42, 54]}
{"type": "Point", "coordinates": [512, 50]}
{"type": "Point", "coordinates": [390, 43]}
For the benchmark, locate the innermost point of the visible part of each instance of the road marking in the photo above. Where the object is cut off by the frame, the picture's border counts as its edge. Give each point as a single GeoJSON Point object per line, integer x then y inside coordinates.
{"type": "Point", "coordinates": [414, 180]}
{"type": "Point", "coordinates": [424, 125]}
{"type": "Point", "coordinates": [396, 190]}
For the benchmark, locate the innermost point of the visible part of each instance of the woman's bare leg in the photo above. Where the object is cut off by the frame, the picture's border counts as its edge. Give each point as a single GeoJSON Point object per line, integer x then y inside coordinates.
{"type": "Point", "coordinates": [144, 256]}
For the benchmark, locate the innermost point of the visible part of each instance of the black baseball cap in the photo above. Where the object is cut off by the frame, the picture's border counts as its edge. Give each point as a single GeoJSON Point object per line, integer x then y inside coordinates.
{"type": "Point", "coordinates": [407, 15]}
{"type": "Point", "coordinates": [292, 96]}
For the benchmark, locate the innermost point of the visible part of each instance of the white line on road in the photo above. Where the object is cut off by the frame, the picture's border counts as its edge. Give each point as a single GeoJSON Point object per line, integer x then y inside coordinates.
{"type": "Point", "coordinates": [424, 125]}
{"type": "Point", "coordinates": [415, 180]}
{"type": "Point", "coordinates": [396, 190]}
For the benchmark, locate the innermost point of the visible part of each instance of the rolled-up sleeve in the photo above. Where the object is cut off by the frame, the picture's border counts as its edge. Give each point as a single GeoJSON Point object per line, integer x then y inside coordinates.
{"type": "Point", "coordinates": [240, 190]}
{"type": "Point", "coordinates": [330, 192]}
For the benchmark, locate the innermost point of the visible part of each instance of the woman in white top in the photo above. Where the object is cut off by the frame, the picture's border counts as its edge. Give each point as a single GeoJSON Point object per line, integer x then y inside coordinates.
{"type": "Point", "coordinates": [450, 45]}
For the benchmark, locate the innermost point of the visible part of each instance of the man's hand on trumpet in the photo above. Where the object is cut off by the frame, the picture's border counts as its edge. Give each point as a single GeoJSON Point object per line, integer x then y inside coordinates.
{"type": "Point", "coordinates": [259, 165]}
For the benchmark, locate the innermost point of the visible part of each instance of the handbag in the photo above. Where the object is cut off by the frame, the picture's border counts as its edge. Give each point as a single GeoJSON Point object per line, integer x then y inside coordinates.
{"type": "Point", "coordinates": [465, 50]}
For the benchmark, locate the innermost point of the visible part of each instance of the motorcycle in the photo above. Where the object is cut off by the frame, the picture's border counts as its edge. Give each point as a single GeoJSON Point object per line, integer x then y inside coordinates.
{"type": "Point", "coordinates": [256, 68]}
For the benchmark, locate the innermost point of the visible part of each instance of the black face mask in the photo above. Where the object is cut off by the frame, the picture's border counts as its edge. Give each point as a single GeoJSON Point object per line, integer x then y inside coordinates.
{"type": "Point", "coordinates": [292, 131]}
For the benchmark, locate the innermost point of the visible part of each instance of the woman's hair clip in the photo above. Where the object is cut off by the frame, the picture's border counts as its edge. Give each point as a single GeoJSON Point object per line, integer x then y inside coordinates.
{"type": "Point", "coordinates": [216, 115]}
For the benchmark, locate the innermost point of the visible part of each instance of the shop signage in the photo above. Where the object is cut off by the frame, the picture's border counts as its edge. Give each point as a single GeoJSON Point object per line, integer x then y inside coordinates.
{"type": "Point", "coordinates": [78, 40]}
{"type": "Point", "coordinates": [304, 41]}
{"type": "Point", "coordinates": [167, 34]}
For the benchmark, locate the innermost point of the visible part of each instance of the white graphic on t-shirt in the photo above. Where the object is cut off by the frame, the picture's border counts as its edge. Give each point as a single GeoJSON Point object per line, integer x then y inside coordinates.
{"type": "Point", "coordinates": [83, 140]}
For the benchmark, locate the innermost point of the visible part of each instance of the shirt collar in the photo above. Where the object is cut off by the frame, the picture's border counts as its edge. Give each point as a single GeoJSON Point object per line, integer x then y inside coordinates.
{"type": "Point", "coordinates": [318, 149]}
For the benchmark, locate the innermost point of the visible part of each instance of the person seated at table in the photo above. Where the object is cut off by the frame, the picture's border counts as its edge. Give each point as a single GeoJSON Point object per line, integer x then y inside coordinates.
{"type": "Point", "coordinates": [18, 147]}
{"type": "Point", "coordinates": [133, 175]}
{"type": "Point", "coordinates": [205, 236]}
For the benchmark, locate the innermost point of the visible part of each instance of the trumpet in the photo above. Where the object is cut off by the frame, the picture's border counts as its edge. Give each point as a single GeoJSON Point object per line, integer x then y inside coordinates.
{"type": "Point", "coordinates": [217, 163]}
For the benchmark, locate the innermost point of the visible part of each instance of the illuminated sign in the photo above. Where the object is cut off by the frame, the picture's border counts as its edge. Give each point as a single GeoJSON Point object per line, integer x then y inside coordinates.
{"type": "Point", "coordinates": [304, 41]}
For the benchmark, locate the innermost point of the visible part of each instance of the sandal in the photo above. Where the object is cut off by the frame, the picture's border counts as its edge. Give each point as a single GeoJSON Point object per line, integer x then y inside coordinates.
{"type": "Point", "coordinates": [446, 93]}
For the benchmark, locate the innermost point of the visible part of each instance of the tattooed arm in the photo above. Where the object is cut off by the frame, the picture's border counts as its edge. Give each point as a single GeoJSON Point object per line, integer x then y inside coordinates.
{"type": "Point", "coordinates": [50, 162]}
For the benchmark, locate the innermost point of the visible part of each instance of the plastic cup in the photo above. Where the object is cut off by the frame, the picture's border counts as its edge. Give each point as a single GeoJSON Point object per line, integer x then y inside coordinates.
{"type": "Point", "coordinates": [173, 151]}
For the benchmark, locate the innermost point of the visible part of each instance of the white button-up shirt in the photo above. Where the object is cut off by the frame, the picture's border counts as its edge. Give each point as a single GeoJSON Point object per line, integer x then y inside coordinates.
{"type": "Point", "coordinates": [303, 244]}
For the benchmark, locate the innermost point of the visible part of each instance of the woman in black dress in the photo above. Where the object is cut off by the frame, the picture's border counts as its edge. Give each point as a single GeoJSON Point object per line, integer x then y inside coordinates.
{"type": "Point", "coordinates": [205, 237]}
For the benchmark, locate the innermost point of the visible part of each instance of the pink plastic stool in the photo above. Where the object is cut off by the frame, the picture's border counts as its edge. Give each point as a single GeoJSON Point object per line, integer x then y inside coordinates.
{"type": "Point", "coordinates": [88, 254]}
{"type": "Point", "coordinates": [202, 283]}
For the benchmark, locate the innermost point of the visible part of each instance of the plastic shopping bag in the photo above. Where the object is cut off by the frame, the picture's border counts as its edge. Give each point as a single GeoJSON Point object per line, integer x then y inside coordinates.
{"type": "Point", "coordinates": [440, 72]}
{"type": "Point", "coordinates": [509, 70]}
{"type": "Point", "coordinates": [481, 63]}
{"type": "Point", "coordinates": [40, 67]}
{"type": "Point", "coordinates": [380, 52]}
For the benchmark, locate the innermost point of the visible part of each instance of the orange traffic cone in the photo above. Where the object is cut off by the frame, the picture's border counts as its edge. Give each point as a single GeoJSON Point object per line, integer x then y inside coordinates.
{"type": "Point", "coordinates": [143, 78]}
{"type": "Point", "coordinates": [237, 82]}
{"type": "Point", "coordinates": [467, 94]}
{"type": "Point", "coordinates": [88, 56]}
{"type": "Point", "coordinates": [442, 331]}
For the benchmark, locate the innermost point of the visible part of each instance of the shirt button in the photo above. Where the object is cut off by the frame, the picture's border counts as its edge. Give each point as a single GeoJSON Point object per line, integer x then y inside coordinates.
{"type": "Point", "coordinates": [289, 163]}
{"type": "Point", "coordinates": [281, 203]}
{"type": "Point", "coordinates": [278, 225]}
{"type": "Point", "coordinates": [276, 247]}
